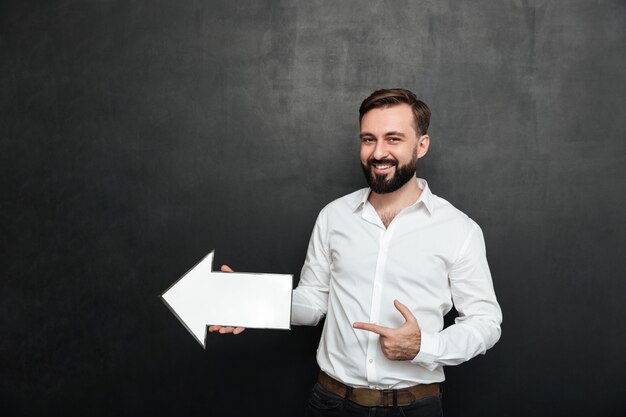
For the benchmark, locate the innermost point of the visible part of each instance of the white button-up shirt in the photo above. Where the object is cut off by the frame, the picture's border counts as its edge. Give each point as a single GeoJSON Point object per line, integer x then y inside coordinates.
{"type": "Point", "coordinates": [431, 256]}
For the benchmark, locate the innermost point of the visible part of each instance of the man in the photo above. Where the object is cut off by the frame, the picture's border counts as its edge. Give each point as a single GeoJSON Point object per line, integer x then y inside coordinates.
{"type": "Point", "coordinates": [384, 265]}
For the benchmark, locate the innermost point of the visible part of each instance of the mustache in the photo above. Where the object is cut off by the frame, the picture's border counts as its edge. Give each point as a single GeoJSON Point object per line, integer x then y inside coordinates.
{"type": "Point", "coordinates": [386, 161]}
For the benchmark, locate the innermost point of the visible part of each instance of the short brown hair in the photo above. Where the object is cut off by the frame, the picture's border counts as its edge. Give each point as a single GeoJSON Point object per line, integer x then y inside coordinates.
{"type": "Point", "coordinates": [394, 96]}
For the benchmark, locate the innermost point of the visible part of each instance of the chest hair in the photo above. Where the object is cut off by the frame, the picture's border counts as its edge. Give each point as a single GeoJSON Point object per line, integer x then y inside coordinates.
{"type": "Point", "coordinates": [386, 217]}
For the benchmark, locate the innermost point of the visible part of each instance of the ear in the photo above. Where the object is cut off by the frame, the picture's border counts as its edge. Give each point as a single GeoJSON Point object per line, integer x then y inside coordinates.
{"type": "Point", "coordinates": [422, 145]}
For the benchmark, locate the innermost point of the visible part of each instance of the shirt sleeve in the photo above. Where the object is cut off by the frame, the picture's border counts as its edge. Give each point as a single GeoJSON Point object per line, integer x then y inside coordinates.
{"type": "Point", "coordinates": [310, 298]}
{"type": "Point", "coordinates": [477, 328]}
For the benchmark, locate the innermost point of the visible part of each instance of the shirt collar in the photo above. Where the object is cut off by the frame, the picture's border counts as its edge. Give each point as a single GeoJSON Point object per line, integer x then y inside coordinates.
{"type": "Point", "coordinates": [426, 197]}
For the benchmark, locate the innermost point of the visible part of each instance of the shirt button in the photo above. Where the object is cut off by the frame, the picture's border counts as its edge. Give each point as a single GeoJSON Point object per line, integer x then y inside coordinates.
{"type": "Point", "coordinates": [371, 360]}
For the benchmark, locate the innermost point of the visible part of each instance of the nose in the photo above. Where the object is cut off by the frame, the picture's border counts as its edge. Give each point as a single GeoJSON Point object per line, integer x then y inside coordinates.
{"type": "Point", "coordinates": [380, 151]}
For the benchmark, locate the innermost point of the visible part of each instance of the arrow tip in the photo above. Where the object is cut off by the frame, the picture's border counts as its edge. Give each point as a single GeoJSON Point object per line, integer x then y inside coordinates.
{"type": "Point", "coordinates": [184, 304]}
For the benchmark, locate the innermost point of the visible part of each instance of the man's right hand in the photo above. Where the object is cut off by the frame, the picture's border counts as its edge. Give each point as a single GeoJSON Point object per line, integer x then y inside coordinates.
{"type": "Point", "coordinates": [226, 329]}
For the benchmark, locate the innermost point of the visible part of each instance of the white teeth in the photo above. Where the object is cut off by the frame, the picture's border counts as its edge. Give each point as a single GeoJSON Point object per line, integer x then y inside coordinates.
{"type": "Point", "coordinates": [383, 166]}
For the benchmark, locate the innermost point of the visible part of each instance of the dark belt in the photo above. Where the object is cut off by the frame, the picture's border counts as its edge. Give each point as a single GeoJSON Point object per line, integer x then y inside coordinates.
{"type": "Point", "coordinates": [369, 397]}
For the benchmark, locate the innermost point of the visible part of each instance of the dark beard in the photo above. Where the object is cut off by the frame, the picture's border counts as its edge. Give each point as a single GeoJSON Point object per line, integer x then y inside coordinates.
{"type": "Point", "coordinates": [380, 184]}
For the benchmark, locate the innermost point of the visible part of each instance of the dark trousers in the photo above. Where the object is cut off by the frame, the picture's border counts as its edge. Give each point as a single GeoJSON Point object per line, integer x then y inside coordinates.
{"type": "Point", "coordinates": [325, 404]}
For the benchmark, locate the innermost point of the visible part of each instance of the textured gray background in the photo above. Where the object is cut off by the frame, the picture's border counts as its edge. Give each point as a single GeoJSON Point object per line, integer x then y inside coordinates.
{"type": "Point", "coordinates": [139, 135]}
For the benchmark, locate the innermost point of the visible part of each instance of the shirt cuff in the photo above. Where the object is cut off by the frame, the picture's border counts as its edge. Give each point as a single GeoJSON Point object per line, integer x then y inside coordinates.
{"type": "Point", "coordinates": [427, 355]}
{"type": "Point", "coordinates": [302, 315]}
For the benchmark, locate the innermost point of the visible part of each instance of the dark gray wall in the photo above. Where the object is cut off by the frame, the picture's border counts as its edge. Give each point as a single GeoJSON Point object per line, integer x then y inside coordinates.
{"type": "Point", "coordinates": [139, 135]}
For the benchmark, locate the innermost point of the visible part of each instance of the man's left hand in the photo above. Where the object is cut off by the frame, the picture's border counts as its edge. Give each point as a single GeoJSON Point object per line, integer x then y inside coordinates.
{"type": "Point", "coordinates": [399, 344]}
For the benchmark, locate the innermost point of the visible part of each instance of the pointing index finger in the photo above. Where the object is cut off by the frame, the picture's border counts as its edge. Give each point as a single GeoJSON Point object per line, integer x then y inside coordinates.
{"type": "Point", "coordinates": [375, 328]}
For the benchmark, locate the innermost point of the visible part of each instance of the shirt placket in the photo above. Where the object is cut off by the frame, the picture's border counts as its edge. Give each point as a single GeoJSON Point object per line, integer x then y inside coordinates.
{"type": "Point", "coordinates": [377, 291]}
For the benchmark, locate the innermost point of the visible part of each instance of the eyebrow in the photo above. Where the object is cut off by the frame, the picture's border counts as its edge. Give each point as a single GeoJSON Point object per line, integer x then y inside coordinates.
{"type": "Point", "coordinates": [394, 133]}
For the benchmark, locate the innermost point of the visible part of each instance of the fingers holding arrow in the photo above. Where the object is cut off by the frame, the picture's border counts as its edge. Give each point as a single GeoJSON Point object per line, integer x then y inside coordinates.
{"type": "Point", "coordinates": [226, 329]}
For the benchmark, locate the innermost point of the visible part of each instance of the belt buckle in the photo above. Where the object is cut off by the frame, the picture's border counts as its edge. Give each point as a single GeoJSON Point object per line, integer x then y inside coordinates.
{"type": "Point", "coordinates": [386, 394]}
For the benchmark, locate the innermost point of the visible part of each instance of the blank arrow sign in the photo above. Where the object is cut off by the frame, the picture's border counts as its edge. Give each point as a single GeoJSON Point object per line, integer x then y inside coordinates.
{"type": "Point", "coordinates": [202, 297]}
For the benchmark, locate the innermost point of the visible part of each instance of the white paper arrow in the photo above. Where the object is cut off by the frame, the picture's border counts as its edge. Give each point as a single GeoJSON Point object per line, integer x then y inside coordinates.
{"type": "Point", "coordinates": [202, 297]}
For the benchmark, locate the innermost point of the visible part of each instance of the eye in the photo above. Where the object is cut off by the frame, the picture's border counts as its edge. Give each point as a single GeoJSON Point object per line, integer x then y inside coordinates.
{"type": "Point", "coordinates": [394, 139]}
{"type": "Point", "coordinates": [367, 140]}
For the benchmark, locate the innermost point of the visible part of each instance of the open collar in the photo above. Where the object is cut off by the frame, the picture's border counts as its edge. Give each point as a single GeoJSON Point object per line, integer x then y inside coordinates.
{"type": "Point", "coordinates": [426, 197]}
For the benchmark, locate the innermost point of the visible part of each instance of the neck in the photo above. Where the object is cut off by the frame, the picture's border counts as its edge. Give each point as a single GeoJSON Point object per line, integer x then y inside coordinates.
{"type": "Point", "coordinates": [397, 200]}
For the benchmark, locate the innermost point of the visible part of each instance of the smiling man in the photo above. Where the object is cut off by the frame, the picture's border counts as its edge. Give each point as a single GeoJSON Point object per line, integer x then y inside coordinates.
{"type": "Point", "coordinates": [384, 265]}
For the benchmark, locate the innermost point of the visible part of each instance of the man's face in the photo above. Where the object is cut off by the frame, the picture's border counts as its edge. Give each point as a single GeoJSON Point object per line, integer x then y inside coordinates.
{"type": "Point", "coordinates": [390, 147]}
